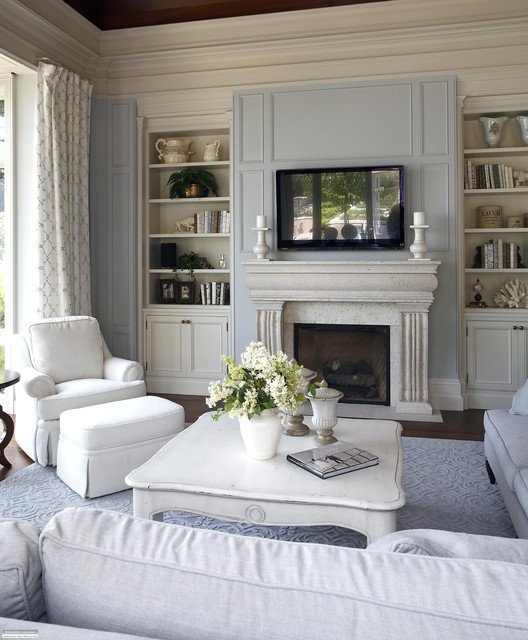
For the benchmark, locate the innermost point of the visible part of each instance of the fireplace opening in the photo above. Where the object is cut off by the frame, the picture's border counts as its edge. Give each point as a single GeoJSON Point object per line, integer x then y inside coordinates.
{"type": "Point", "coordinates": [351, 358]}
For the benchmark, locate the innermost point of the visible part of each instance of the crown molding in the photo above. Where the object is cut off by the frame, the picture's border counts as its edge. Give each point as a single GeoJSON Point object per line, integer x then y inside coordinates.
{"type": "Point", "coordinates": [29, 31]}
{"type": "Point", "coordinates": [352, 20]}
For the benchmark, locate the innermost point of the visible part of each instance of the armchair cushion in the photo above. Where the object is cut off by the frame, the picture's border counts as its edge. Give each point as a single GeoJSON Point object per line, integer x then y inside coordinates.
{"type": "Point", "coordinates": [35, 384]}
{"type": "Point", "coordinates": [75, 394]}
{"type": "Point", "coordinates": [123, 370]}
{"type": "Point", "coordinates": [67, 348]}
{"type": "Point", "coordinates": [21, 593]}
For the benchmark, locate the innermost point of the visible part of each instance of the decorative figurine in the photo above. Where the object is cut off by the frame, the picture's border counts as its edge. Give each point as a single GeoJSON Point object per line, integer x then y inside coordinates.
{"type": "Point", "coordinates": [222, 263]}
{"type": "Point", "coordinates": [477, 288]}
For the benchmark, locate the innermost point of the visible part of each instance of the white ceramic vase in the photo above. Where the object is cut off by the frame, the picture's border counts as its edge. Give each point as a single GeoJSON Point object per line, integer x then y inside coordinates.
{"type": "Point", "coordinates": [261, 434]}
{"type": "Point", "coordinates": [523, 123]}
{"type": "Point", "coordinates": [493, 129]}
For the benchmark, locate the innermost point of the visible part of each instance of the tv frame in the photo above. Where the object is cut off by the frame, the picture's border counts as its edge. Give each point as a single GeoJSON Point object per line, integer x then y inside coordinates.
{"type": "Point", "coordinates": [366, 244]}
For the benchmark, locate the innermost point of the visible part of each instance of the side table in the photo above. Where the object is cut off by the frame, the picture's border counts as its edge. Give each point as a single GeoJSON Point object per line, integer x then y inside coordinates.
{"type": "Point", "coordinates": [7, 379]}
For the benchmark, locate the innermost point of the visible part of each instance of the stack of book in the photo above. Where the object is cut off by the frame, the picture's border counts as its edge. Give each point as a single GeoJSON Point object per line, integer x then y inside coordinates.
{"type": "Point", "coordinates": [497, 254]}
{"type": "Point", "coordinates": [212, 222]}
{"type": "Point", "coordinates": [214, 293]}
{"type": "Point", "coordinates": [488, 176]}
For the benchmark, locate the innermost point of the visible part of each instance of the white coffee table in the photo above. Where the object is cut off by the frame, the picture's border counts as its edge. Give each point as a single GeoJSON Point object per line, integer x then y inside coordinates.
{"type": "Point", "coordinates": [206, 470]}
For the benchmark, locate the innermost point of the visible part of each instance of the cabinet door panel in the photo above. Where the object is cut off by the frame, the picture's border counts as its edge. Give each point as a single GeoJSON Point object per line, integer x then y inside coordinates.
{"type": "Point", "coordinates": [206, 342]}
{"type": "Point", "coordinates": [493, 356]}
{"type": "Point", "coordinates": [164, 346]}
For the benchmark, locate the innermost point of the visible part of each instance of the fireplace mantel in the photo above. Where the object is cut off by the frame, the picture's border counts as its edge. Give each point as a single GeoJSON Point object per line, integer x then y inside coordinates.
{"type": "Point", "coordinates": [395, 293]}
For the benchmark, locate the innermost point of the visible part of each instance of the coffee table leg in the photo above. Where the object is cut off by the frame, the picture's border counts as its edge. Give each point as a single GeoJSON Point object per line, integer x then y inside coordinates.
{"type": "Point", "coordinates": [379, 524]}
{"type": "Point", "coordinates": [9, 431]}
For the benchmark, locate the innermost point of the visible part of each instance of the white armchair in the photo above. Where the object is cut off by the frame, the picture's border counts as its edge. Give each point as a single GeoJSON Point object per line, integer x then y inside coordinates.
{"type": "Point", "coordinates": [65, 364]}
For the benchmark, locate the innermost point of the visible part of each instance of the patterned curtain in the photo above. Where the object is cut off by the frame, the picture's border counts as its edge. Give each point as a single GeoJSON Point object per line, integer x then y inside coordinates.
{"type": "Point", "coordinates": [63, 128]}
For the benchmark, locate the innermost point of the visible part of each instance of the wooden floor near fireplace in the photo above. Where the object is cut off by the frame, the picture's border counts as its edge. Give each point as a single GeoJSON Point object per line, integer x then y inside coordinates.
{"type": "Point", "coordinates": [457, 425]}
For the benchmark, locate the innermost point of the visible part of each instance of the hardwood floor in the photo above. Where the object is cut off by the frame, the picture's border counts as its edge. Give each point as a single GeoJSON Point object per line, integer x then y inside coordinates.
{"type": "Point", "coordinates": [457, 425]}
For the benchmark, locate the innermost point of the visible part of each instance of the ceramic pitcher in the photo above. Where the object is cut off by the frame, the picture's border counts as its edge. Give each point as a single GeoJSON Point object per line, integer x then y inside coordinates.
{"type": "Point", "coordinates": [493, 129]}
{"type": "Point", "coordinates": [211, 151]}
{"type": "Point", "coordinates": [174, 149]}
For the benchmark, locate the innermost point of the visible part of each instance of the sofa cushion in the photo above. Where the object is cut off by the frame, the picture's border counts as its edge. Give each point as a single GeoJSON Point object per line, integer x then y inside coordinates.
{"type": "Point", "coordinates": [508, 435]}
{"type": "Point", "coordinates": [448, 544]}
{"type": "Point", "coordinates": [520, 487]}
{"type": "Point", "coordinates": [520, 401]}
{"type": "Point", "coordinates": [67, 348]}
{"type": "Point", "coordinates": [151, 578]}
{"type": "Point", "coordinates": [120, 423]}
{"type": "Point", "coordinates": [21, 593]}
{"type": "Point", "coordinates": [75, 394]}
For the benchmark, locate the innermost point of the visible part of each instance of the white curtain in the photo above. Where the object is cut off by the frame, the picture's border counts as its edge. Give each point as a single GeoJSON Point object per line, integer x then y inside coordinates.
{"type": "Point", "coordinates": [63, 133]}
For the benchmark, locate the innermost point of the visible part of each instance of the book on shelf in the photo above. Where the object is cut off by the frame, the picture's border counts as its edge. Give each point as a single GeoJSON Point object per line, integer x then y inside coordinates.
{"type": "Point", "coordinates": [214, 293]}
{"type": "Point", "coordinates": [333, 459]}
{"type": "Point", "coordinates": [488, 176]}
{"type": "Point", "coordinates": [497, 254]}
{"type": "Point", "coordinates": [212, 222]}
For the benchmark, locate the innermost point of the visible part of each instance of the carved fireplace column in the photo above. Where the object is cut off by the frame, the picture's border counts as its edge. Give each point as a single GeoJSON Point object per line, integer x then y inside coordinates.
{"type": "Point", "coordinates": [414, 389]}
{"type": "Point", "coordinates": [269, 324]}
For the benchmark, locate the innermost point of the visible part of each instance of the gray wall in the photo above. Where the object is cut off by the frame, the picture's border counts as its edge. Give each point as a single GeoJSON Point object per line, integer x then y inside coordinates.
{"type": "Point", "coordinates": [113, 222]}
{"type": "Point", "coordinates": [401, 121]}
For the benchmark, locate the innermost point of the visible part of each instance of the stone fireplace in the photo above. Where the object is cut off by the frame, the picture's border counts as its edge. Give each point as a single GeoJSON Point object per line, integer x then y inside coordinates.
{"type": "Point", "coordinates": [395, 295]}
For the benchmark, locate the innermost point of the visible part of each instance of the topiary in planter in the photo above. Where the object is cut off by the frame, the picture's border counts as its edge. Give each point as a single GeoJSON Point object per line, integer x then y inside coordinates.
{"type": "Point", "coordinates": [181, 183]}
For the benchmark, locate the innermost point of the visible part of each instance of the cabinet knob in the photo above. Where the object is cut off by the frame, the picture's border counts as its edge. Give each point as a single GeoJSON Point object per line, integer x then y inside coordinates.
{"type": "Point", "coordinates": [521, 328]}
{"type": "Point", "coordinates": [515, 327]}
{"type": "Point", "coordinates": [183, 322]}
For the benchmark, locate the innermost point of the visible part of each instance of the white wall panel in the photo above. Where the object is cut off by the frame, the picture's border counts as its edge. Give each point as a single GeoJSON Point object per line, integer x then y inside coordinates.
{"type": "Point", "coordinates": [339, 123]}
{"type": "Point", "coordinates": [435, 189]}
{"type": "Point", "coordinates": [251, 203]}
{"type": "Point", "coordinates": [435, 118]}
{"type": "Point", "coordinates": [251, 140]}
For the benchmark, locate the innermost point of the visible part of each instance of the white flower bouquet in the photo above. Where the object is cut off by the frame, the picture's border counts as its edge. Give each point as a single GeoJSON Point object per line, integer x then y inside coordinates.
{"type": "Point", "coordinates": [261, 381]}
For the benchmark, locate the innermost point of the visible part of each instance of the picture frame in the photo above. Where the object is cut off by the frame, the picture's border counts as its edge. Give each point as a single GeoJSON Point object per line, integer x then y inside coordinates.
{"type": "Point", "coordinates": [184, 292]}
{"type": "Point", "coordinates": [167, 291]}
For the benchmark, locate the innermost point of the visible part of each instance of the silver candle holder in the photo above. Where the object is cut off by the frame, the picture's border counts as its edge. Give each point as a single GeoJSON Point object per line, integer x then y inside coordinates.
{"type": "Point", "coordinates": [292, 423]}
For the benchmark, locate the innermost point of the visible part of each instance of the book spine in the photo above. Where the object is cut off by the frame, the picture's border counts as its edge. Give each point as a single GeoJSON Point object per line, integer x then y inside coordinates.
{"type": "Point", "coordinates": [202, 293]}
{"type": "Point", "coordinates": [496, 176]}
{"type": "Point", "coordinates": [213, 293]}
{"type": "Point", "coordinates": [500, 253]}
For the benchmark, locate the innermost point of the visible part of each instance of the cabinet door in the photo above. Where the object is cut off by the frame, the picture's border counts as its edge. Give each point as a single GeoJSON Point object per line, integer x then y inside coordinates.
{"type": "Point", "coordinates": [206, 341]}
{"type": "Point", "coordinates": [493, 355]}
{"type": "Point", "coordinates": [164, 342]}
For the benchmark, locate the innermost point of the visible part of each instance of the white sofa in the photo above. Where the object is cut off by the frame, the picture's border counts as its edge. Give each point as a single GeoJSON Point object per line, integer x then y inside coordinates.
{"type": "Point", "coordinates": [104, 571]}
{"type": "Point", "coordinates": [64, 364]}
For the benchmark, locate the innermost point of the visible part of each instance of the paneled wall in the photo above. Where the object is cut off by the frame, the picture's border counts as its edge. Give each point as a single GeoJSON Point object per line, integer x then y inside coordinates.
{"type": "Point", "coordinates": [398, 121]}
{"type": "Point", "coordinates": [113, 222]}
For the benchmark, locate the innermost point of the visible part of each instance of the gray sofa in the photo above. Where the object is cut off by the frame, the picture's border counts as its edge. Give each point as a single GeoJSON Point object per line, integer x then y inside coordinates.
{"type": "Point", "coordinates": [506, 448]}
{"type": "Point", "coordinates": [96, 571]}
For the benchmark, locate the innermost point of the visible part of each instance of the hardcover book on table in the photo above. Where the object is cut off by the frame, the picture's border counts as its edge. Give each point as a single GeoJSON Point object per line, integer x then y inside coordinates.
{"type": "Point", "coordinates": [333, 459]}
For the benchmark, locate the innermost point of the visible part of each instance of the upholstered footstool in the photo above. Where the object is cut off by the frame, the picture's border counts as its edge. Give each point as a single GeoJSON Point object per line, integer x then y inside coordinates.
{"type": "Point", "coordinates": [100, 445]}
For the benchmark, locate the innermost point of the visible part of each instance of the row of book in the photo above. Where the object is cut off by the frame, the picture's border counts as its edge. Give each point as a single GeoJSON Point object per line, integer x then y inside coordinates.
{"type": "Point", "coordinates": [215, 293]}
{"type": "Point", "coordinates": [212, 222]}
{"type": "Point", "coordinates": [497, 254]}
{"type": "Point", "coordinates": [488, 176]}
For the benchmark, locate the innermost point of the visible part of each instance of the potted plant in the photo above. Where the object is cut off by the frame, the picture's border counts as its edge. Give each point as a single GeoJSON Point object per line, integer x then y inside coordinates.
{"type": "Point", "coordinates": [191, 261]}
{"type": "Point", "coordinates": [254, 391]}
{"type": "Point", "coordinates": [192, 182]}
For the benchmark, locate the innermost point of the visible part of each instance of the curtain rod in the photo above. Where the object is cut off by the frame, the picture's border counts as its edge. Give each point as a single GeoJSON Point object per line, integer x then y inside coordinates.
{"type": "Point", "coordinates": [58, 64]}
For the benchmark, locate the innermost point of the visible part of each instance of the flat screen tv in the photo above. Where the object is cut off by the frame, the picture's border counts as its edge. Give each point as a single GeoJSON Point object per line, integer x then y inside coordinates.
{"type": "Point", "coordinates": [351, 208]}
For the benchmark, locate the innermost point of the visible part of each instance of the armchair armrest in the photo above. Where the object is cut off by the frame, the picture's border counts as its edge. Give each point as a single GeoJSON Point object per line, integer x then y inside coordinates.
{"type": "Point", "coordinates": [36, 384]}
{"type": "Point", "coordinates": [122, 370]}
{"type": "Point", "coordinates": [448, 544]}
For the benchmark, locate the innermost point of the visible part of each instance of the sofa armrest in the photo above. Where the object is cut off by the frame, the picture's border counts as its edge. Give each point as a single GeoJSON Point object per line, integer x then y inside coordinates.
{"type": "Point", "coordinates": [36, 384]}
{"type": "Point", "coordinates": [122, 370]}
{"type": "Point", "coordinates": [447, 544]}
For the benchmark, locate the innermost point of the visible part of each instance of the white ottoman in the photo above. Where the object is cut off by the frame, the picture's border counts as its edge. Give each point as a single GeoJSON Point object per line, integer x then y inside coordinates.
{"type": "Point", "coordinates": [100, 445]}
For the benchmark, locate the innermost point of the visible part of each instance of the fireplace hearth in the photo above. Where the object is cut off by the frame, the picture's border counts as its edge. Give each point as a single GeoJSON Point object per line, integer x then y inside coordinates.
{"type": "Point", "coordinates": [353, 359]}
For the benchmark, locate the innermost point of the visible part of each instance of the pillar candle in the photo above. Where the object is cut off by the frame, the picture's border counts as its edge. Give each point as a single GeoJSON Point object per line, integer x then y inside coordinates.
{"type": "Point", "coordinates": [419, 218]}
{"type": "Point", "coordinates": [261, 222]}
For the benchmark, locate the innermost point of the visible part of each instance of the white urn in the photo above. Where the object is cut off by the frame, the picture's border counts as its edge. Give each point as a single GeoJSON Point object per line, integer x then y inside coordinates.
{"type": "Point", "coordinates": [493, 129]}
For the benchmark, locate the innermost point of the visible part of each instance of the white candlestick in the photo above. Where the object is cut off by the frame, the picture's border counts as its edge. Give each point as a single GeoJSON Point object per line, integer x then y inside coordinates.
{"type": "Point", "coordinates": [261, 222]}
{"type": "Point", "coordinates": [419, 218]}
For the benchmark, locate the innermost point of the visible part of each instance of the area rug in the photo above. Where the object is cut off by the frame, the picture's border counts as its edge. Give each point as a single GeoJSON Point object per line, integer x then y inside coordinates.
{"type": "Point", "coordinates": [445, 483]}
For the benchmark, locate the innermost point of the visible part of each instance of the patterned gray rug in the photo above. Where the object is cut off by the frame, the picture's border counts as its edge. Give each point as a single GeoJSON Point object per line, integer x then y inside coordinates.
{"type": "Point", "coordinates": [445, 482]}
